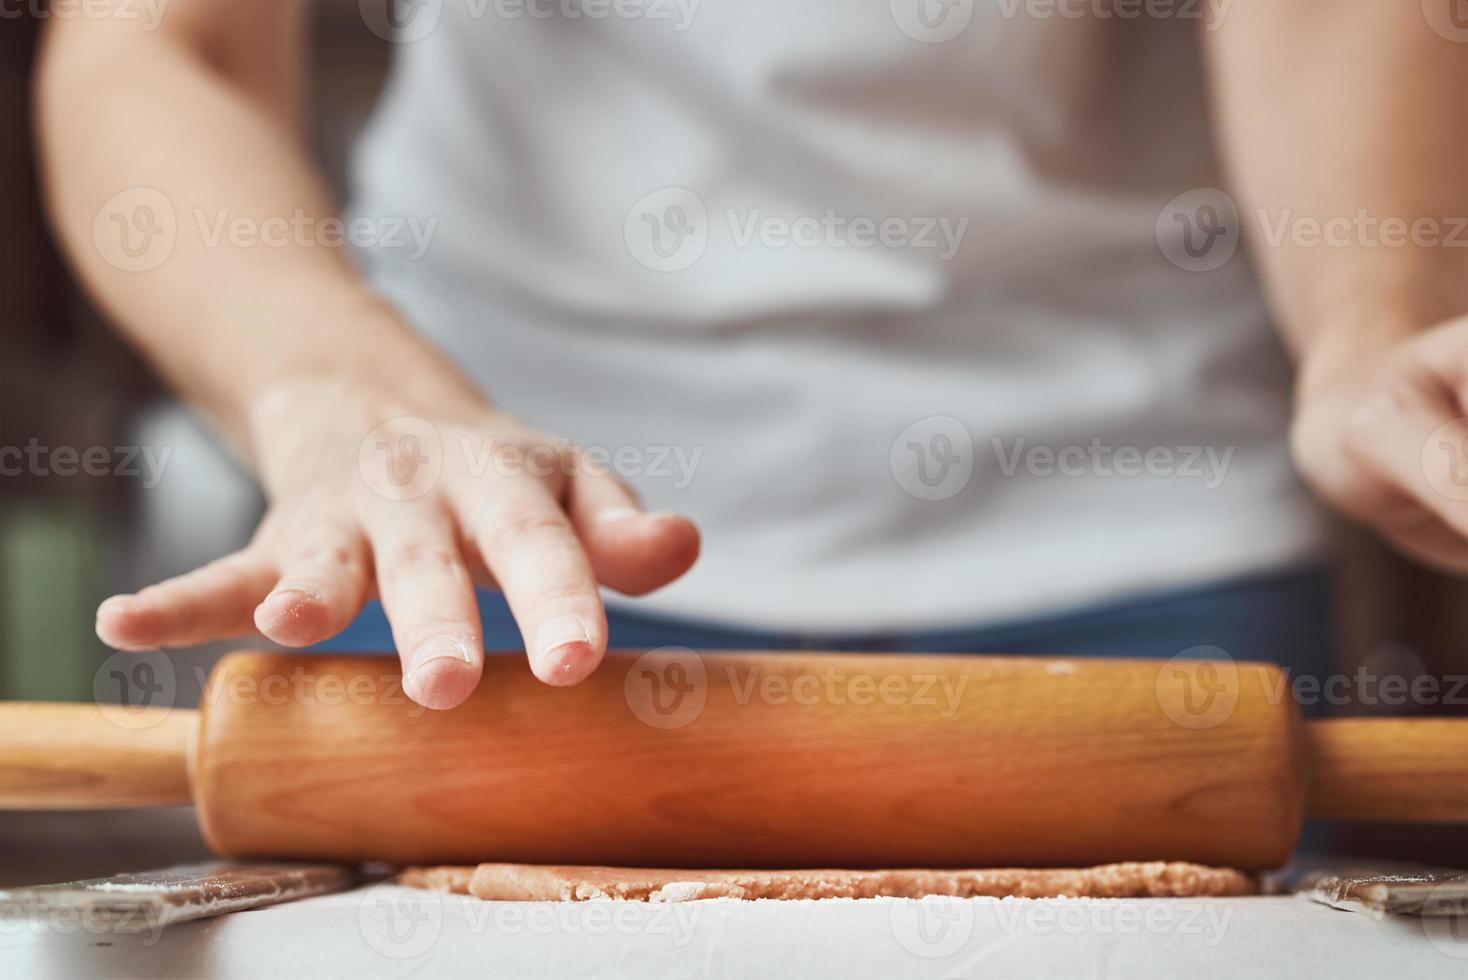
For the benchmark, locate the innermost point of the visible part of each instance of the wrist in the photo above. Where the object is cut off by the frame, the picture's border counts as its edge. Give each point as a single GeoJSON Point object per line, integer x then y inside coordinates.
{"type": "Point", "coordinates": [1369, 315]}
{"type": "Point", "coordinates": [1327, 366]}
{"type": "Point", "coordinates": [356, 358]}
{"type": "Point", "coordinates": [306, 411]}
{"type": "Point", "coordinates": [356, 401]}
{"type": "Point", "coordinates": [306, 427]}
{"type": "Point", "coordinates": [1350, 349]}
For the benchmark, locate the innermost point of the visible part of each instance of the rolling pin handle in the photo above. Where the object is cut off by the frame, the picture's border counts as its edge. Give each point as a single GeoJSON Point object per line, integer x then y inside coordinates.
{"type": "Point", "coordinates": [1407, 770]}
{"type": "Point", "coordinates": [94, 757]}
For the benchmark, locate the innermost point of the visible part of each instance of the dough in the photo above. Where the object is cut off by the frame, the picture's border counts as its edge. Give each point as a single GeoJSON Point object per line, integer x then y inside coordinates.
{"type": "Point", "coordinates": [560, 883]}
{"type": "Point", "coordinates": [442, 879]}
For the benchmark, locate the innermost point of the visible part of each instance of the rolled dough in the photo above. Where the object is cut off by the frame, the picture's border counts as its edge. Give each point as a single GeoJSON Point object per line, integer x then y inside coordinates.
{"type": "Point", "coordinates": [562, 883]}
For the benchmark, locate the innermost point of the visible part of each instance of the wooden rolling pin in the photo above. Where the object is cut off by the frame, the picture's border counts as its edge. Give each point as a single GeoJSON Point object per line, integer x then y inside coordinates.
{"type": "Point", "coordinates": [748, 760]}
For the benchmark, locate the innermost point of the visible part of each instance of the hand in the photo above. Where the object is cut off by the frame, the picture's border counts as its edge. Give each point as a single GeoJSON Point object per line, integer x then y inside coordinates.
{"type": "Point", "coordinates": [434, 498]}
{"type": "Point", "coordinates": [1381, 434]}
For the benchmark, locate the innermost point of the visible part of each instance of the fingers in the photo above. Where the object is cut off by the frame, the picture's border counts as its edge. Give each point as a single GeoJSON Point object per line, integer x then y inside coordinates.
{"type": "Point", "coordinates": [1409, 439]}
{"type": "Point", "coordinates": [1433, 543]}
{"type": "Point", "coordinates": [531, 549]}
{"type": "Point", "coordinates": [206, 604]}
{"type": "Point", "coordinates": [429, 599]}
{"type": "Point", "coordinates": [631, 551]}
{"type": "Point", "coordinates": [1412, 448]}
{"type": "Point", "coordinates": [322, 586]}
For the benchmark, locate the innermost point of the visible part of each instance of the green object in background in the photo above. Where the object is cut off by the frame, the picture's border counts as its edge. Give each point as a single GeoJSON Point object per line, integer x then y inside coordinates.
{"type": "Point", "coordinates": [49, 559]}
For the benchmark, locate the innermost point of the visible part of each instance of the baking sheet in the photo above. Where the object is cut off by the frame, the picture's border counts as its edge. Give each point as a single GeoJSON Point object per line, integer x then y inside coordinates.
{"type": "Point", "coordinates": [147, 901]}
{"type": "Point", "coordinates": [1433, 894]}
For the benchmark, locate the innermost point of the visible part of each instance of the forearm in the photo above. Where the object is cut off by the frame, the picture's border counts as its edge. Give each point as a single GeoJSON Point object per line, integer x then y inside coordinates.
{"type": "Point", "coordinates": [1347, 112]}
{"type": "Point", "coordinates": [223, 317]}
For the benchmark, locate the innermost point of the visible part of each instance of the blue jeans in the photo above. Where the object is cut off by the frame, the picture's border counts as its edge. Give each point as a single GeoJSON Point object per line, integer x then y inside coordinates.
{"type": "Point", "coordinates": [1283, 618]}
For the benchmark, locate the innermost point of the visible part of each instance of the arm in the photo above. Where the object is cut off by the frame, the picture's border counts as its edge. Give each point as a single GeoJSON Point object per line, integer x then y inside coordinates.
{"type": "Point", "coordinates": [299, 363]}
{"type": "Point", "coordinates": [1352, 114]}
{"type": "Point", "coordinates": [205, 109]}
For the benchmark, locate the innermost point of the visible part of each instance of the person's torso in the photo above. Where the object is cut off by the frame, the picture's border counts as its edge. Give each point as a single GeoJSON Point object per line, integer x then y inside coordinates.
{"type": "Point", "coordinates": [918, 307]}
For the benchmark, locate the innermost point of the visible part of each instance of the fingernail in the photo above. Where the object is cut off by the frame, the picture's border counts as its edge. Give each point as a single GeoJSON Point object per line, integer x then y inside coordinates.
{"type": "Point", "coordinates": [117, 604]}
{"type": "Point", "coordinates": [431, 681]}
{"type": "Point", "coordinates": [285, 603]}
{"type": "Point", "coordinates": [561, 632]}
{"type": "Point", "coordinates": [616, 514]}
{"type": "Point", "coordinates": [560, 644]}
{"type": "Point", "coordinates": [442, 648]}
{"type": "Point", "coordinates": [113, 604]}
{"type": "Point", "coordinates": [298, 593]}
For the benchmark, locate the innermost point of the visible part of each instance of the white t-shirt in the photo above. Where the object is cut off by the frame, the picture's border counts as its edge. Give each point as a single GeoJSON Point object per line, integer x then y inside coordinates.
{"type": "Point", "coordinates": [896, 298]}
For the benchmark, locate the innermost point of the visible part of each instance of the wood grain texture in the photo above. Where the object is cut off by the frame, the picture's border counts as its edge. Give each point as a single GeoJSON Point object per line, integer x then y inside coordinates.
{"type": "Point", "coordinates": [1411, 770]}
{"type": "Point", "coordinates": [85, 756]}
{"type": "Point", "coordinates": [771, 760]}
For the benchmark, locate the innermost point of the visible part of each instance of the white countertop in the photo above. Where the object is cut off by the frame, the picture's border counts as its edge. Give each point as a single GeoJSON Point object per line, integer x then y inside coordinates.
{"type": "Point", "coordinates": [390, 931]}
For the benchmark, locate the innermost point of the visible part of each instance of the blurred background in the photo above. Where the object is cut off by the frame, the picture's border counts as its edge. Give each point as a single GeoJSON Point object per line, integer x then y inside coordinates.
{"type": "Point", "coordinates": [174, 498]}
